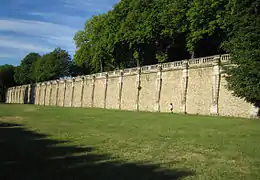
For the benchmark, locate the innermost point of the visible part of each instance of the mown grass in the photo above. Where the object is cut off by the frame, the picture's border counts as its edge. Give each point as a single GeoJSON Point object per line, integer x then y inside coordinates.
{"type": "Point", "coordinates": [71, 143]}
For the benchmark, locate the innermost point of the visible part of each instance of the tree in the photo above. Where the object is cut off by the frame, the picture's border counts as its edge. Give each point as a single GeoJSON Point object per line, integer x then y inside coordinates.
{"type": "Point", "coordinates": [134, 33]}
{"type": "Point", "coordinates": [6, 80]}
{"type": "Point", "coordinates": [205, 33]}
{"type": "Point", "coordinates": [53, 65]}
{"type": "Point", "coordinates": [92, 52]}
{"type": "Point", "coordinates": [243, 23]}
{"type": "Point", "coordinates": [24, 72]}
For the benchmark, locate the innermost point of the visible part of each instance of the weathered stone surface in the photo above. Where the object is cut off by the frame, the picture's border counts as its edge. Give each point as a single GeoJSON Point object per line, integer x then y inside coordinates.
{"type": "Point", "coordinates": [87, 93]}
{"type": "Point", "coordinates": [199, 95]}
{"type": "Point", "coordinates": [171, 91]}
{"type": "Point", "coordinates": [77, 94]}
{"type": "Point", "coordinates": [230, 105]}
{"type": "Point", "coordinates": [60, 94]}
{"type": "Point", "coordinates": [129, 93]}
{"type": "Point", "coordinates": [112, 93]}
{"type": "Point", "coordinates": [68, 94]}
{"type": "Point", "coordinates": [99, 93]}
{"type": "Point", "coordinates": [147, 99]}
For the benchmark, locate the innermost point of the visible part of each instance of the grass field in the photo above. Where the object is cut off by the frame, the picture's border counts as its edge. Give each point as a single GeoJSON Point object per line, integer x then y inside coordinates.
{"type": "Point", "coordinates": [69, 143]}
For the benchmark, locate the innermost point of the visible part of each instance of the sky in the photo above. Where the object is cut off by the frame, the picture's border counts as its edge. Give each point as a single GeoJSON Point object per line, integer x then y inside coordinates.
{"type": "Point", "coordinates": [41, 26]}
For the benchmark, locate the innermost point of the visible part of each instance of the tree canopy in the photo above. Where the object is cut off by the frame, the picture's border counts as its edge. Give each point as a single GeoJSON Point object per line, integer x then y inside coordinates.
{"type": "Point", "coordinates": [243, 24]}
{"type": "Point", "coordinates": [24, 72]}
{"type": "Point", "coordinates": [143, 32]}
{"type": "Point", "coordinates": [53, 65]}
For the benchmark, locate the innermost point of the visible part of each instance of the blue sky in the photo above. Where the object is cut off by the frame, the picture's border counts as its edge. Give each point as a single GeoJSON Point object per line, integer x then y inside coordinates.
{"type": "Point", "coordinates": [40, 26]}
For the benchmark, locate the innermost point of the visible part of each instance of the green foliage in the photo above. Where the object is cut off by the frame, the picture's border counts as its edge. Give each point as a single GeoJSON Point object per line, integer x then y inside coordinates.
{"type": "Point", "coordinates": [6, 80]}
{"type": "Point", "coordinates": [24, 72]}
{"type": "Point", "coordinates": [143, 32]}
{"type": "Point", "coordinates": [111, 41]}
{"type": "Point", "coordinates": [243, 22]}
{"type": "Point", "coordinates": [205, 27]}
{"type": "Point", "coordinates": [53, 65]}
{"type": "Point", "coordinates": [161, 57]}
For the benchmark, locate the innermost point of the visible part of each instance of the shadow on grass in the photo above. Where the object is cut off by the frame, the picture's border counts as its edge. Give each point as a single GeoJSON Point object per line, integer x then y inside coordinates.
{"type": "Point", "coordinates": [29, 155]}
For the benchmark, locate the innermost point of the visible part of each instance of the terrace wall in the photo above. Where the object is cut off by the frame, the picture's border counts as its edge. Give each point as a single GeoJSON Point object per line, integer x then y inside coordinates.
{"type": "Point", "coordinates": [194, 86]}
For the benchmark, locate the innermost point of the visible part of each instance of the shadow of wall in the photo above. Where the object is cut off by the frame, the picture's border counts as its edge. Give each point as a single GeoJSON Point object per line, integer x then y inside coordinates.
{"type": "Point", "coordinates": [29, 155]}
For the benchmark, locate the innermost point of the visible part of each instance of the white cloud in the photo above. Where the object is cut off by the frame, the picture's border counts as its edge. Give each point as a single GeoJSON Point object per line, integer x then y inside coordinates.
{"type": "Point", "coordinates": [5, 55]}
{"type": "Point", "coordinates": [90, 5]}
{"type": "Point", "coordinates": [18, 44]}
{"type": "Point", "coordinates": [55, 35]}
{"type": "Point", "coordinates": [74, 21]}
{"type": "Point", "coordinates": [37, 28]}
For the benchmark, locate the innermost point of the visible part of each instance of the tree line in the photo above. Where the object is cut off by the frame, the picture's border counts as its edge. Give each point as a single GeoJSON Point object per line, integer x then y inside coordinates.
{"type": "Point", "coordinates": [144, 32]}
{"type": "Point", "coordinates": [35, 68]}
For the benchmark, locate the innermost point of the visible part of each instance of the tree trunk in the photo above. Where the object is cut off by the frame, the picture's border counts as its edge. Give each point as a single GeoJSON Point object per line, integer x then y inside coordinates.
{"type": "Point", "coordinates": [192, 55]}
{"type": "Point", "coordinates": [101, 66]}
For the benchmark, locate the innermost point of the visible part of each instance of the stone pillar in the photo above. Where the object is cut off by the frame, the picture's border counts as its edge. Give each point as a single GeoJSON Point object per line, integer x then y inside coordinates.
{"type": "Point", "coordinates": [50, 98]}
{"type": "Point", "coordinates": [105, 93]}
{"type": "Point", "coordinates": [57, 92]}
{"type": "Point", "coordinates": [185, 76]}
{"type": "Point", "coordinates": [93, 90]}
{"type": "Point", "coordinates": [18, 94]}
{"type": "Point", "coordinates": [23, 100]}
{"type": "Point", "coordinates": [215, 86]}
{"type": "Point", "coordinates": [158, 88]}
{"type": "Point", "coordinates": [15, 95]}
{"type": "Point", "coordinates": [120, 89]}
{"type": "Point", "coordinates": [28, 101]}
{"type": "Point", "coordinates": [44, 96]}
{"type": "Point", "coordinates": [25, 94]}
{"type": "Point", "coordinates": [82, 91]}
{"type": "Point", "coordinates": [21, 95]}
{"type": "Point", "coordinates": [72, 92]}
{"type": "Point", "coordinates": [39, 93]}
{"type": "Point", "coordinates": [138, 86]}
{"type": "Point", "coordinates": [12, 95]}
{"type": "Point", "coordinates": [64, 95]}
{"type": "Point", "coordinates": [14, 92]}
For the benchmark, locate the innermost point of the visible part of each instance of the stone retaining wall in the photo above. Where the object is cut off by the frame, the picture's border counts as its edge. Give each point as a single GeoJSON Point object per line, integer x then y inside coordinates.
{"type": "Point", "coordinates": [194, 86]}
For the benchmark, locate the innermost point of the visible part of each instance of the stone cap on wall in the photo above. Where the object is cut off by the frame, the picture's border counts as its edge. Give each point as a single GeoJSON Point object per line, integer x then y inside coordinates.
{"type": "Point", "coordinates": [192, 63]}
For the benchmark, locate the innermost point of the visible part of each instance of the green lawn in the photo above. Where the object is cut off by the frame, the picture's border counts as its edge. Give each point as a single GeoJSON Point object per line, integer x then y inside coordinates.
{"type": "Point", "coordinates": [70, 143]}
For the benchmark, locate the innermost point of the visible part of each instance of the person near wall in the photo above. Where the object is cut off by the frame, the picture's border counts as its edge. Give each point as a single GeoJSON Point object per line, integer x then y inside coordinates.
{"type": "Point", "coordinates": [171, 107]}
